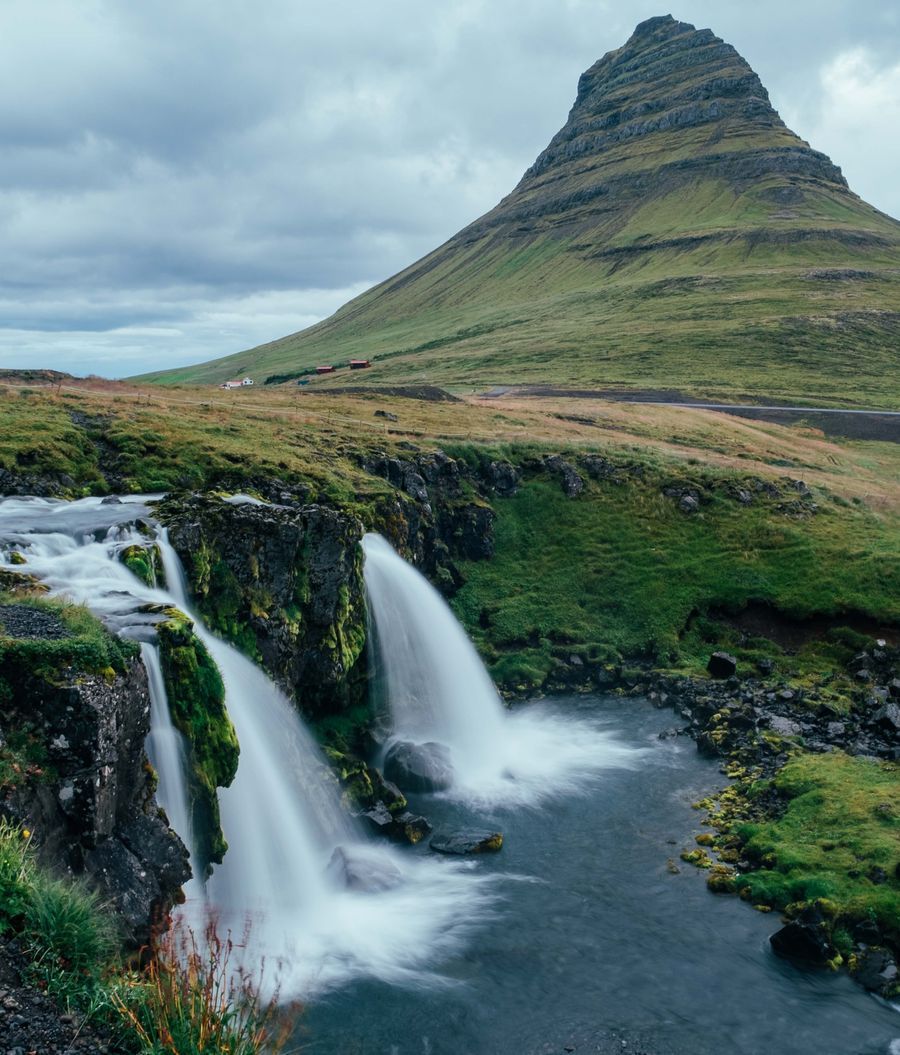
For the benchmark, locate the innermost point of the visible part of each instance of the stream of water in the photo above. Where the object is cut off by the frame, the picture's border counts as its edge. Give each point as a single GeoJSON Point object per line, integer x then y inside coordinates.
{"type": "Point", "coordinates": [598, 947]}
{"type": "Point", "coordinates": [281, 816]}
{"type": "Point", "coordinates": [577, 936]}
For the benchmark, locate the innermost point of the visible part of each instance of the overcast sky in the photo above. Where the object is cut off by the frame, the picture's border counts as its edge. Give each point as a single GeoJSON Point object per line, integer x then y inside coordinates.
{"type": "Point", "coordinates": [182, 179]}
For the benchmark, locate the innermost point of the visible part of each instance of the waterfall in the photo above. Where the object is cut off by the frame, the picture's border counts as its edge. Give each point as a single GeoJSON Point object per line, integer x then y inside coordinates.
{"type": "Point", "coordinates": [167, 751]}
{"type": "Point", "coordinates": [435, 683]}
{"type": "Point", "coordinates": [436, 689]}
{"type": "Point", "coordinates": [281, 878]}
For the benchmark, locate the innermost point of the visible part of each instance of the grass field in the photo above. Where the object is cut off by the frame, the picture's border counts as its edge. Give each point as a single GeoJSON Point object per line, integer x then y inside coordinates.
{"type": "Point", "coordinates": [617, 572]}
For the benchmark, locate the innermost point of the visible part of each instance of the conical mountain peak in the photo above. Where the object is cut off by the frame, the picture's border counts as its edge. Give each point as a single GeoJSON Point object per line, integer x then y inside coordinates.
{"type": "Point", "coordinates": [673, 98]}
{"type": "Point", "coordinates": [673, 231]}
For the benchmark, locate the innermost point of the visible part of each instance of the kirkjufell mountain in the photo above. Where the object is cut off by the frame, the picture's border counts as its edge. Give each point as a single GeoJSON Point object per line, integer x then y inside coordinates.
{"type": "Point", "coordinates": [675, 233]}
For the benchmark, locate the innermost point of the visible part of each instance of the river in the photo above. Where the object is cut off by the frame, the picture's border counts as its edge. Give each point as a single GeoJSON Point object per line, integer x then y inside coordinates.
{"type": "Point", "coordinates": [598, 947]}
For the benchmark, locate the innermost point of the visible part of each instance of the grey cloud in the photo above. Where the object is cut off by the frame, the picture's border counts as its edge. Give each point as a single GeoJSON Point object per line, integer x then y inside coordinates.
{"type": "Point", "coordinates": [167, 163]}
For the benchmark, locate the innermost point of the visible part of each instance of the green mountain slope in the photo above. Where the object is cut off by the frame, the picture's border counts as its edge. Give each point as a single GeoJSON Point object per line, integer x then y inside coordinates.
{"type": "Point", "coordinates": [674, 233]}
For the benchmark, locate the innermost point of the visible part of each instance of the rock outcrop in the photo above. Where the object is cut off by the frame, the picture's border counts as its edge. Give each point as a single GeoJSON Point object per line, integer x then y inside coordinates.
{"type": "Point", "coordinates": [673, 104]}
{"type": "Point", "coordinates": [284, 583]}
{"type": "Point", "coordinates": [90, 806]}
{"type": "Point", "coordinates": [419, 767]}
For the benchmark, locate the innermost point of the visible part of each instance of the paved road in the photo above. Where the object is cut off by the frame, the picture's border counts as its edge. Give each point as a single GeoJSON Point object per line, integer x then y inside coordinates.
{"type": "Point", "coordinates": [731, 407]}
{"type": "Point", "coordinates": [847, 422]}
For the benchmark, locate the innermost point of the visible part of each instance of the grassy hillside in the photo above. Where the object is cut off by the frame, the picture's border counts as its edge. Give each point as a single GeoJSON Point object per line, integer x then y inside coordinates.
{"type": "Point", "coordinates": [620, 571]}
{"type": "Point", "coordinates": [674, 234]}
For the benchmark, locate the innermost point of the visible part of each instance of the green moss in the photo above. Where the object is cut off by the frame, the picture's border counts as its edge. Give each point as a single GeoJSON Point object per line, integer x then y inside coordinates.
{"type": "Point", "coordinates": [196, 696]}
{"type": "Point", "coordinates": [87, 648]}
{"type": "Point", "coordinates": [145, 562]}
{"type": "Point", "coordinates": [699, 858]}
{"type": "Point", "coordinates": [624, 570]}
{"type": "Point", "coordinates": [222, 602]}
{"type": "Point", "coordinates": [839, 839]}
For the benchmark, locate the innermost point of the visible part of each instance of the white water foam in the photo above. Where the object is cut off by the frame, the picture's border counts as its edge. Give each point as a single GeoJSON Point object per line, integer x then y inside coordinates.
{"type": "Point", "coordinates": [437, 689]}
{"type": "Point", "coordinates": [281, 816]}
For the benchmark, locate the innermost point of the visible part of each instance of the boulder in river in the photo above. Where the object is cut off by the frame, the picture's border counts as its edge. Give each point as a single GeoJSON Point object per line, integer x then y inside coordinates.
{"type": "Point", "coordinates": [876, 970]}
{"type": "Point", "coordinates": [411, 828]}
{"type": "Point", "coordinates": [419, 767]}
{"type": "Point", "coordinates": [467, 841]}
{"type": "Point", "coordinates": [805, 939]}
{"type": "Point", "coordinates": [722, 665]}
{"type": "Point", "coordinates": [361, 870]}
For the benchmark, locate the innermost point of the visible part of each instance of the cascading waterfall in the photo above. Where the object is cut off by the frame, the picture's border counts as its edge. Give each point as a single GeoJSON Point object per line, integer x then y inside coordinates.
{"type": "Point", "coordinates": [437, 689]}
{"type": "Point", "coordinates": [282, 816]}
{"type": "Point", "coordinates": [167, 751]}
{"type": "Point", "coordinates": [436, 685]}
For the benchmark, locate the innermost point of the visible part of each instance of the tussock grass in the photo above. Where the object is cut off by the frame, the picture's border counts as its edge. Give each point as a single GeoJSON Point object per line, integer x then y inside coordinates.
{"type": "Point", "coordinates": [619, 571]}
{"type": "Point", "coordinates": [191, 999]}
{"type": "Point", "coordinates": [194, 1000]}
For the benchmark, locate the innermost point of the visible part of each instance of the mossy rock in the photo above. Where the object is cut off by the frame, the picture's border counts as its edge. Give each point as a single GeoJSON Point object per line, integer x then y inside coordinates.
{"type": "Point", "coordinates": [700, 858]}
{"type": "Point", "coordinates": [145, 562]}
{"type": "Point", "coordinates": [196, 696]}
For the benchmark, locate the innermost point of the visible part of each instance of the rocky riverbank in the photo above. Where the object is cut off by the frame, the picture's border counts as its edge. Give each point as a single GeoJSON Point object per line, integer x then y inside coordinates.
{"type": "Point", "coordinates": [810, 824]}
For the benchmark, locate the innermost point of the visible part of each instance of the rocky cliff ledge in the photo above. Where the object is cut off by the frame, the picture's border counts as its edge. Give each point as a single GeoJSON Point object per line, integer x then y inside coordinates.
{"type": "Point", "coordinates": [284, 583]}
{"type": "Point", "coordinates": [673, 104]}
{"type": "Point", "coordinates": [74, 714]}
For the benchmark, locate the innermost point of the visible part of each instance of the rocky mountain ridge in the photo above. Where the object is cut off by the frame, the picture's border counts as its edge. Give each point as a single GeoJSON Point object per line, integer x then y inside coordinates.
{"type": "Point", "coordinates": [674, 233]}
{"type": "Point", "coordinates": [668, 78]}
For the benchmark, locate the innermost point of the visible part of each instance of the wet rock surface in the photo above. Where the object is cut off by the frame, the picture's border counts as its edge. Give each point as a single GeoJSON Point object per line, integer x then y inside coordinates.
{"type": "Point", "coordinates": [419, 767]}
{"type": "Point", "coordinates": [92, 812]}
{"type": "Point", "coordinates": [467, 841]}
{"type": "Point", "coordinates": [284, 583]}
{"type": "Point", "coordinates": [355, 870]}
{"type": "Point", "coordinates": [805, 939]}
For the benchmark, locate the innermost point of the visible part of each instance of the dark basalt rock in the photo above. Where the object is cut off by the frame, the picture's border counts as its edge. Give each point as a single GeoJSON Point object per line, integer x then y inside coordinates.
{"type": "Point", "coordinates": [805, 939]}
{"type": "Point", "coordinates": [503, 478]}
{"type": "Point", "coordinates": [469, 841]}
{"type": "Point", "coordinates": [867, 933]}
{"type": "Point", "coordinates": [888, 717]}
{"type": "Point", "coordinates": [419, 767]}
{"type": "Point", "coordinates": [721, 665]}
{"type": "Point", "coordinates": [96, 816]}
{"type": "Point", "coordinates": [405, 827]}
{"type": "Point", "coordinates": [285, 582]}
{"type": "Point", "coordinates": [378, 818]}
{"type": "Point", "coordinates": [876, 970]}
{"type": "Point", "coordinates": [569, 478]}
{"type": "Point", "coordinates": [439, 512]}
{"type": "Point", "coordinates": [412, 828]}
